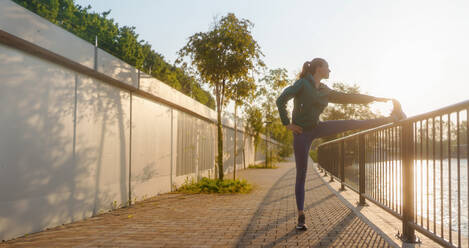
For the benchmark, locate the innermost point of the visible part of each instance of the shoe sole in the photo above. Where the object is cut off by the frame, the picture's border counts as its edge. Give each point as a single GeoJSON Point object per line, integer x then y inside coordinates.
{"type": "Point", "coordinates": [397, 112]}
{"type": "Point", "coordinates": [301, 228]}
{"type": "Point", "coordinates": [399, 116]}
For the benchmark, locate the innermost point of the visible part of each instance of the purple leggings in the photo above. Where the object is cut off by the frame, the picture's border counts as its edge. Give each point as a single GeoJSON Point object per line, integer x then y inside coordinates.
{"type": "Point", "coordinates": [302, 144]}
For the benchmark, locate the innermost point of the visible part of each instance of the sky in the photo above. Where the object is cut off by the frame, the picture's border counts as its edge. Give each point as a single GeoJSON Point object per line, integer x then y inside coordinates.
{"type": "Point", "coordinates": [415, 51]}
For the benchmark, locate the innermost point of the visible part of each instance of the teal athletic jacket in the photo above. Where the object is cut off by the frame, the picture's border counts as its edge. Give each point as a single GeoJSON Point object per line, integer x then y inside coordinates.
{"type": "Point", "coordinates": [309, 101]}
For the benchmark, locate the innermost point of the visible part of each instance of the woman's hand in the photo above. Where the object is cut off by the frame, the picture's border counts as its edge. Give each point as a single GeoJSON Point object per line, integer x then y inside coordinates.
{"type": "Point", "coordinates": [295, 128]}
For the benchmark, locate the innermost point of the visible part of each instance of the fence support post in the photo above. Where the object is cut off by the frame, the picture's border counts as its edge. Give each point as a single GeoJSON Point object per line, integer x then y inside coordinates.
{"type": "Point", "coordinates": [332, 162]}
{"type": "Point", "coordinates": [361, 168]}
{"type": "Point", "coordinates": [407, 144]}
{"type": "Point", "coordinates": [342, 165]}
{"type": "Point", "coordinates": [326, 164]}
{"type": "Point", "coordinates": [320, 159]}
{"type": "Point", "coordinates": [326, 160]}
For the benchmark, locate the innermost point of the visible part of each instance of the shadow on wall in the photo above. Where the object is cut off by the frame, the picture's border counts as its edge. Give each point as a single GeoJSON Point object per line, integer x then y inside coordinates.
{"type": "Point", "coordinates": [64, 145]}
{"type": "Point", "coordinates": [228, 150]}
{"type": "Point", "coordinates": [151, 148]}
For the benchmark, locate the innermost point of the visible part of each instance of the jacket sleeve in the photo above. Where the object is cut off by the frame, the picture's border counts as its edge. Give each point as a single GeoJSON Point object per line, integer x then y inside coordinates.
{"type": "Point", "coordinates": [346, 98]}
{"type": "Point", "coordinates": [287, 94]}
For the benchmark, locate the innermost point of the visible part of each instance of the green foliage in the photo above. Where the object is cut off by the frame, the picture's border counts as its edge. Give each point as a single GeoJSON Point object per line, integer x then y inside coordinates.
{"type": "Point", "coordinates": [274, 81]}
{"type": "Point", "coordinates": [241, 91]}
{"type": "Point", "coordinates": [254, 124]}
{"type": "Point", "coordinates": [222, 57]}
{"type": "Point", "coordinates": [121, 42]}
{"type": "Point", "coordinates": [274, 156]}
{"type": "Point", "coordinates": [272, 85]}
{"type": "Point", "coordinates": [206, 185]}
{"type": "Point", "coordinates": [281, 134]}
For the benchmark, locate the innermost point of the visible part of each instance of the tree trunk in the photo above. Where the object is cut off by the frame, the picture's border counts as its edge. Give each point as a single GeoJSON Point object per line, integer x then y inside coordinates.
{"type": "Point", "coordinates": [220, 135]}
{"type": "Point", "coordinates": [266, 151]}
{"type": "Point", "coordinates": [220, 147]}
{"type": "Point", "coordinates": [235, 141]}
{"type": "Point", "coordinates": [255, 152]}
{"type": "Point", "coordinates": [244, 147]}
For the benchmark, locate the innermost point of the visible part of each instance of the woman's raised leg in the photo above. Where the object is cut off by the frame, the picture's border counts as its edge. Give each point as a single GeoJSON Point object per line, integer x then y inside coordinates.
{"type": "Point", "coordinates": [327, 128]}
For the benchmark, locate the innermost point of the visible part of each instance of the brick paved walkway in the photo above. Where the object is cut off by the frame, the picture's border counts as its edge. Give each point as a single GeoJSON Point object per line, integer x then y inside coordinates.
{"type": "Point", "coordinates": [264, 218]}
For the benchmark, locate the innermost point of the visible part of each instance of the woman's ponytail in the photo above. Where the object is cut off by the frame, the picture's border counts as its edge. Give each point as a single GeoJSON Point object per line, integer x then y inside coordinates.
{"type": "Point", "coordinates": [310, 66]}
{"type": "Point", "coordinates": [306, 69]}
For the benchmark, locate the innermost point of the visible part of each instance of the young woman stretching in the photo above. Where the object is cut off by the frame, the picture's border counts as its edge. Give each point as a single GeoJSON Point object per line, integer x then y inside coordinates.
{"type": "Point", "coordinates": [310, 98]}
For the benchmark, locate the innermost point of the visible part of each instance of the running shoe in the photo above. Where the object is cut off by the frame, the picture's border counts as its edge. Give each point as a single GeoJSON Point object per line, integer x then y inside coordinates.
{"type": "Point", "coordinates": [301, 223]}
{"type": "Point", "coordinates": [397, 112]}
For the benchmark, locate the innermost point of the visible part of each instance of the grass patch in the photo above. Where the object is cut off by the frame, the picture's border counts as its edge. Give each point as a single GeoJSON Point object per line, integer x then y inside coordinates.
{"type": "Point", "coordinates": [262, 166]}
{"type": "Point", "coordinates": [206, 185]}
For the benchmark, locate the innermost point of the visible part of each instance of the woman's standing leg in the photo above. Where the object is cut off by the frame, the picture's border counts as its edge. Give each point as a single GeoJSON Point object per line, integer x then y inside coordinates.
{"type": "Point", "coordinates": [301, 145]}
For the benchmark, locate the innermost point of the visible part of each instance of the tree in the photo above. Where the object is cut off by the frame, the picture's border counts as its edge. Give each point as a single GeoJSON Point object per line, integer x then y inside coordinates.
{"type": "Point", "coordinates": [239, 92]}
{"type": "Point", "coordinates": [253, 124]}
{"type": "Point", "coordinates": [284, 136]}
{"type": "Point", "coordinates": [272, 85]}
{"type": "Point", "coordinates": [220, 57]}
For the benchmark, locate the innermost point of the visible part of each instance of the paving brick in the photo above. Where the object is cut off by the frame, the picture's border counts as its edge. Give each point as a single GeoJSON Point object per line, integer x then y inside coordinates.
{"type": "Point", "coordinates": [266, 217]}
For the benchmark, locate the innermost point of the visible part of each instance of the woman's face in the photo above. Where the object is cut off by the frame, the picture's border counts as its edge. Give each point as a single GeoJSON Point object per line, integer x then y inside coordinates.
{"type": "Point", "coordinates": [323, 71]}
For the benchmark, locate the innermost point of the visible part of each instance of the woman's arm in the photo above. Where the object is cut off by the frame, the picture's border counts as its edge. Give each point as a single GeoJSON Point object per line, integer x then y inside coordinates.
{"type": "Point", "coordinates": [346, 98]}
{"type": "Point", "coordinates": [287, 94]}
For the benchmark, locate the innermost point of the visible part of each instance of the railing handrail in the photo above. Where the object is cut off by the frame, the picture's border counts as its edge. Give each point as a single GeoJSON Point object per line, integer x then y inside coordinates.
{"type": "Point", "coordinates": [451, 108]}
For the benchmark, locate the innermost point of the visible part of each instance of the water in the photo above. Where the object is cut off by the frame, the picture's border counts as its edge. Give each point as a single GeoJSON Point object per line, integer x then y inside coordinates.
{"type": "Point", "coordinates": [432, 196]}
{"type": "Point", "coordinates": [441, 188]}
{"type": "Point", "coordinates": [437, 189]}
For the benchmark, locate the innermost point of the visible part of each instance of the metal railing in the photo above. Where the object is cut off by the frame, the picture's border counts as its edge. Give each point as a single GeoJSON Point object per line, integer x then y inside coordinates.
{"type": "Point", "coordinates": [416, 169]}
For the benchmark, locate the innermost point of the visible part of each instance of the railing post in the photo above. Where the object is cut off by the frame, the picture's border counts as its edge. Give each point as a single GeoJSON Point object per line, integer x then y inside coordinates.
{"type": "Point", "coordinates": [342, 165]}
{"type": "Point", "coordinates": [408, 232]}
{"type": "Point", "coordinates": [332, 162]}
{"type": "Point", "coordinates": [319, 158]}
{"type": "Point", "coordinates": [328, 160]}
{"type": "Point", "coordinates": [361, 168]}
{"type": "Point", "coordinates": [322, 159]}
